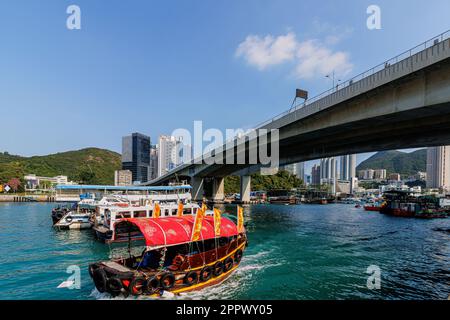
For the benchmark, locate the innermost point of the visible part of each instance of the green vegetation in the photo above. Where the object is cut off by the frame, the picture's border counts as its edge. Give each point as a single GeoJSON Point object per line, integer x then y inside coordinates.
{"type": "Point", "coordinates": [90, 165]}
{"type": "Point", "coordinates": [282, 180]}
{"type": "Point", "coordinates": [406, 164]}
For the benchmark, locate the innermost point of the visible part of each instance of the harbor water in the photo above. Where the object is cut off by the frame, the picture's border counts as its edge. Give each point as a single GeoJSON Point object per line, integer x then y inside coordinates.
{"type": "Point", "coordinates": [295, 252]}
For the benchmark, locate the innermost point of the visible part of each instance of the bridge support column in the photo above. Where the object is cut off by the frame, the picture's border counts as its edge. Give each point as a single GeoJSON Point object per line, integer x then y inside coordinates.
{"type": "Point", "coordinates": [245, 188]}
{"type": "Point", "coordinates": [197, 188]}
{"type": "Point", "coordinates": [218, 191]}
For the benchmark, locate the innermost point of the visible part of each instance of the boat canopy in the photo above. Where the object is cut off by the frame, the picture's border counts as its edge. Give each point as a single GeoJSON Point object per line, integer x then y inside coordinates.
{"type": "Point", "coordinates": [173, 230]}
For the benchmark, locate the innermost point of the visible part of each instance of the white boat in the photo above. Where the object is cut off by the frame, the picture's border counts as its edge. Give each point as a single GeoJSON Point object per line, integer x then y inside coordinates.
{"type": "Point", "coordinates": [107, 217]}
{"type": "Point", "coordinates": [75, 220]}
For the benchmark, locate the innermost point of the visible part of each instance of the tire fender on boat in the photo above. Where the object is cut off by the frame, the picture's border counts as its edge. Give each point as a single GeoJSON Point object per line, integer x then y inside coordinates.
{"type": "Point", "coordinates": [114, 286]}
{"type": "Point", "coordinates": [167, 280]}
{"type": "Point", "coordinates": [100, 279]}
{"type": "Point", "coordinates": [137, 286]}
{"type": "Point", "coordinates": [238, 256]}
{"type": "Point", "coordinates": [206, 273]}
{"type": "Point", "coordinates": [92, 268]}
{"type": "Point", "coordinates": [153, 285]}
{"type": "Point", "coordinates": [218, 268]}
{"type": "Point", "coordinates": [227, 264]}
{"type": "Point", "coordinates": [190, 278]}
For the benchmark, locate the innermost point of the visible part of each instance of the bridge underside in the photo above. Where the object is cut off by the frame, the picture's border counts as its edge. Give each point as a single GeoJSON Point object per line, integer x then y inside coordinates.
{"type": "Point", "coordinates": [394, 112]}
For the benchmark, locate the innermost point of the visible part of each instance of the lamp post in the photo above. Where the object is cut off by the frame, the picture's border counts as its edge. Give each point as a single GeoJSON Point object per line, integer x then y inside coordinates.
{"type": "Point", "coordinates": [332, 77]}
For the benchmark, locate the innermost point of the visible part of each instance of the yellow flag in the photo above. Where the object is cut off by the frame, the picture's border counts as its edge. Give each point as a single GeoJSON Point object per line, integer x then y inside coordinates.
{"type": "Point", "coordinates": [204, 207]}
{"type": "Point", "coordinates": [240, 219]}
{"type": "Point", "coordinates": [196, 231]}
{"type": "Point", "coordinates": [217, 222]}
{"type": "Point", "coordinates": [180, 209]}
{"type": "Point", "coordinates": [156, 211]}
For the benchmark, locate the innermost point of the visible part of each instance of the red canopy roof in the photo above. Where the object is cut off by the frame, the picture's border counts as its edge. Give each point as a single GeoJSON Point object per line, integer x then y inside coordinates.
{"type": "Point", "coordinates": [176, 230]}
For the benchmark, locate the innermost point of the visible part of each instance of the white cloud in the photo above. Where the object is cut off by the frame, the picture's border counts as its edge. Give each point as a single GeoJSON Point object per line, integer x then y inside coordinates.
{"type": "Point", "coordinates": [267, 51]}
{"type": "Point", "coordinates": [312, 58]}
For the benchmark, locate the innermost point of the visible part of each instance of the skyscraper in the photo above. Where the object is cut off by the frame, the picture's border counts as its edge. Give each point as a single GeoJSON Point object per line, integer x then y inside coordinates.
{"type": "Point", "coordinates": [315, 175]}
{"type": "Point", "coordinates": [327, 170]}
{"type": "Point", "coordinates": [153, 172]}
{"type": "Point", "coordinates": [348, 167]}
{"type": "Point", "coordinates": [438, 167]}
{"type": "Point", "coordinates": [136, 156]}
{"type": "Point", "coordinates": [170, 153]}
{"type": "Point", "coordinates": [300, 171]}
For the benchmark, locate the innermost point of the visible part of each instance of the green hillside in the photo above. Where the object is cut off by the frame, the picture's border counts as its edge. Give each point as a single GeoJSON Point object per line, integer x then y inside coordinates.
{"type": "Point", "coordinates": [90, 165]}
{"type": "Point", "coordinates": [397, 162]}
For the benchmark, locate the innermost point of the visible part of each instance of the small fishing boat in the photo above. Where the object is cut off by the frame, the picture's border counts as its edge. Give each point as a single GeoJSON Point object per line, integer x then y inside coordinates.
{"type": "Point", "coordinates": [375, 206]}
{"type": "Point", "coordinates": [406, 204]}
{"type": "Point", "coordinates": [74, 220]}
{"type": "Point", "coordinates": [175, 254]}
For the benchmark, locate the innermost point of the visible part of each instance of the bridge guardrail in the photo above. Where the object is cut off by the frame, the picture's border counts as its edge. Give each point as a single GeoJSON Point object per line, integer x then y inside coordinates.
{"type": "Point", "coordinates": [398, 58]}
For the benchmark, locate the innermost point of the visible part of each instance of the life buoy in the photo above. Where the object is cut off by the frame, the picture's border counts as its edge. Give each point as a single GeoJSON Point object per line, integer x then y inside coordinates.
{"type": "Point", "coordinates": [153, 285]}
{"type": "Point", "coordinates": [137, 286]}
{"type": "Point", "coordinates": [114, 286]}
{"type": "Point", "coordinates": [238, 256]}
{"type": "Point", "coordinates": [190, 278]}
{"type": "Point", "coordinates": [228, 264]}
{"type": "Point", "coordinates": [206, 273]}
{"type": "Point", "coordinates": [167, 280]}
{"type": "Point", "coordinates": [100, 280]}
{"type": "Point", "coordinates": [218, 268]}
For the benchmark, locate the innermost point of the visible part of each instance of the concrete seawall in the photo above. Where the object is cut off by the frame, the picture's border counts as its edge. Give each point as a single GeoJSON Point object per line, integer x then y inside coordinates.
{"type": "Point", "coordinates": [27, 198]}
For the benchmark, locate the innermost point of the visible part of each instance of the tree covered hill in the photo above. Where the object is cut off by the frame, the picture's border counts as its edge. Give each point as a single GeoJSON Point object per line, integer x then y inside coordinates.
{"type": "Point", "coordinates": [397, 162]}
{"type": "Point", "coordinates": [90, 165]}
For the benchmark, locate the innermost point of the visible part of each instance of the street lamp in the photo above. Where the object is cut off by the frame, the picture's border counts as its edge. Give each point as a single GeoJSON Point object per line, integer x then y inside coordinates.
{"type": "Point", "coordinates": [332, 77]}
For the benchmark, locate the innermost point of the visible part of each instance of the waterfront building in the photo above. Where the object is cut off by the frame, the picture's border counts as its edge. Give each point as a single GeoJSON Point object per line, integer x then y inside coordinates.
{"type": "Point", "coordinates": [170, 155]}
{"type": "Point", "coordinates": [315, 175]}
{"type": "Point", "coordinates": [379, 174]}
{"type": "Point", "coordinates": [328, 170]}
{"type": "Point", "coordinates": [347, 167]}
{"type": "Point", "coordinates": [420, 176]}
{"type": "Point", "coordinates": [153, 169]}
{"type": "Point", "coordinates": [394, 177]}
{"type": "Point", "coordinates": [367, 174]}
{"type": "Point", "coordinates": [136, 156]}
{"type": "Point", "coordinates": [300, 171]}
{"type": "Point", "coordinates": [297, 169]}
{"type": "Point", "coordinates": [123, 178]}
{"type": "Point", "coordinates": [438, 167]}
{"type": "Point", "coordinates": [33, 181]}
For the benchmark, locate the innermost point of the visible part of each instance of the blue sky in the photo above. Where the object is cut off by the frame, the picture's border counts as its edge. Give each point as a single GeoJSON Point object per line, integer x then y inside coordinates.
{"type": "Point", "coordinates": [154, 66]}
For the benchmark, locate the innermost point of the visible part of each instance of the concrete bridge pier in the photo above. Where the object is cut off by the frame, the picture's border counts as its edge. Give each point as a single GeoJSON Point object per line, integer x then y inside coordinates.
{"type": "Point", "coordinates": [197, 188]}
{"type": "Point", "coordinates": [218, 189]}
{"type": "Point", "coordinates": [245, 188]}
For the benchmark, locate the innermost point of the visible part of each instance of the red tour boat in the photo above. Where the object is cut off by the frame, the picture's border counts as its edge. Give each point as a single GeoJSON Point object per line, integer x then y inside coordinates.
{"type": "Point", "coordinates": [175, 254]}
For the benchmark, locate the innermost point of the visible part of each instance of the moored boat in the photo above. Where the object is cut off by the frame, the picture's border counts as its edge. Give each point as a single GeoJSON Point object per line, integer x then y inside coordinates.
{"type": "Point", "coordinates": [106, 217]}
{"type": "Point", "coordinates": [405, 204]}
